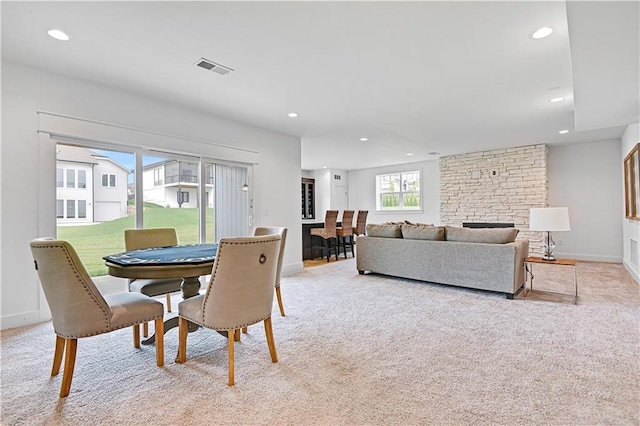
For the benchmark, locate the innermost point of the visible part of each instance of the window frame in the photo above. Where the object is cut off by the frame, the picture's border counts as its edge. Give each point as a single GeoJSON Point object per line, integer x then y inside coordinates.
{"type": "Point", "coordinates": [401, 191]}
{"type": "Point", "coordinates": [111, 177]}
{"type": "Point", "coordinates": [632, 184]}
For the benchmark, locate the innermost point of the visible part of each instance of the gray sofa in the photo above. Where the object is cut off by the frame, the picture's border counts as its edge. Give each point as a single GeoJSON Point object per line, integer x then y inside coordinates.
{"type": "Point", "coordinates": [474, 258]}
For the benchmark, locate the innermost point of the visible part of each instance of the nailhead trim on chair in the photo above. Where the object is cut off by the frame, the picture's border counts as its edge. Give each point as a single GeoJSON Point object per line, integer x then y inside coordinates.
{"type": "Point", "coordinates": [84, 286]}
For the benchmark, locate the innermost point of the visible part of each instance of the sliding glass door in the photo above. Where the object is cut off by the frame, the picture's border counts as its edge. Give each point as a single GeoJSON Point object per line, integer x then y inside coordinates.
{"type": "Point", "coordinates": [102, 191]}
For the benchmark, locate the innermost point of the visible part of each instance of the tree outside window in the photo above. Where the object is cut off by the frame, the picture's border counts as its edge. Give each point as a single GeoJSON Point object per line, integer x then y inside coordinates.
{"type": "Point", "coordinates": [398, 191]}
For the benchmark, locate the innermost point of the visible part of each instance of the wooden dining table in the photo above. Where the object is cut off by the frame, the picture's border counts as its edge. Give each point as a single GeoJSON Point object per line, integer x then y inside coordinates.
{"type": "Point", "coordinates": [188, 262]}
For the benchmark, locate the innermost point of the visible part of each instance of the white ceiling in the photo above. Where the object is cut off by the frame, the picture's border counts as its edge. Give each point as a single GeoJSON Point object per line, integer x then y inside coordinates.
{"type": "Point", "coordinates": [416, 77]}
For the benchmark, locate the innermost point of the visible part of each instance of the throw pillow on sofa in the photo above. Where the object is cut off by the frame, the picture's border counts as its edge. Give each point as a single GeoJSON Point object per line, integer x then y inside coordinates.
{"type": "Point", "coordinates": [385, 231]}
{"type": "Point", "coordinates": [481, 235]}
{"type": "Point", "coordinates": [421, 232]}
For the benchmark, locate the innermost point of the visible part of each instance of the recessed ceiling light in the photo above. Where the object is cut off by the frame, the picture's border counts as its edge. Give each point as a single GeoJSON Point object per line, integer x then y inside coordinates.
{"type": "Point", "coordinates": [558, 99]}
{"type": "Point", "coordinates": [542, 33]}
{"type": "Point", "coordinates": [409, 154]}
{"type": "Point", "coordinates": [364, 139]}
{"type": "Point", "coordinates": [562, 132]}
{"type": "Point", "coordinates": [293, 114]}
{"type": "Point", "coordinates": [58, 34]}
{"type": "Point", "coordinates": [324, 167]}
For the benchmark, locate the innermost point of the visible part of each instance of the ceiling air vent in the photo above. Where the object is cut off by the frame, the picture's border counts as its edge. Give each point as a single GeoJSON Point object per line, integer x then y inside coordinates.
{"type": "Point", "coordinates": [212, 66]}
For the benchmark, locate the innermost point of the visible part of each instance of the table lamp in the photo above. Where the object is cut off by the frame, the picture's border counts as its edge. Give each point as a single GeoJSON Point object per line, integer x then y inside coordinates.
{"type": "Point", "coordinates": [549, 219]}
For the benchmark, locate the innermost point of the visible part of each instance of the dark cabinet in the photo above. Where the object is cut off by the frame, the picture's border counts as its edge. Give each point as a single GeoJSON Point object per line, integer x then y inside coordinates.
{"type": "Point", "coordinates": [307, 198]}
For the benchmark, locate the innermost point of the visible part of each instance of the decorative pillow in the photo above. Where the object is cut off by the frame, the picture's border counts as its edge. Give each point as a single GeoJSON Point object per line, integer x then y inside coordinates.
{"type": "Point", "coordinates": [385, 231]}
{"type": "Point", "coordinates": [481, 235]}
{"type": "Point", "coordinates": [421, 232]}
{"type": "Point", "coordinates": [418, 224]}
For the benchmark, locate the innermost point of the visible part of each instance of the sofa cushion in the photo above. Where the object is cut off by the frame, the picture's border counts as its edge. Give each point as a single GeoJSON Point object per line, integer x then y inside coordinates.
{"type": "Point", "coordinates": [385, 231]}
{"type": "Point", "coordinates": [481, 235]}
{"type": "Point", "coordinates": [421, 232]}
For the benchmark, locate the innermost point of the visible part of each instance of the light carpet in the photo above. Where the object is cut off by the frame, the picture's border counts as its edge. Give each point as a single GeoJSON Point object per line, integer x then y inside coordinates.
{"type": "Point", "coordinates": [363, 350]}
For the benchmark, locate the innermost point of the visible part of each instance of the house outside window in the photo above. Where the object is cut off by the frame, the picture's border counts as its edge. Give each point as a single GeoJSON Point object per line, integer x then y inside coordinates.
{"type": "Point", "coordinates": [82, 178]}
{"type": "Point", "coordinates": [183, 197]}
{"type": "Point", "coordinates": [398, 192]}
{"type": "Point", "coordinates": [71, 208]}
{"type": "Point", "coordinates": [157, 177]}
{"type": "Point", "coordinates": [82, 209]}
{"type": "Point", "coordinates": [71, 178]}
{"type": "Point", "coordinates": [59, 178]}
{"type": "Point", "coordinates": [108, 180]}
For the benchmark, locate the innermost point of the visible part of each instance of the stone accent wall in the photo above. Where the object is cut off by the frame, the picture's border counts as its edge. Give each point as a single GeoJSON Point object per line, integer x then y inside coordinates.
{"type": "Point", "coordinates": [495, 186]}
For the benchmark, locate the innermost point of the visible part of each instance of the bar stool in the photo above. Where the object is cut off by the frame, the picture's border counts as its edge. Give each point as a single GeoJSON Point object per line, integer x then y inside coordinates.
{"type": "Point", "coordinates": [361, 223]}
{"type": "Point", "coordinates": [327, 234]}
{"type": "Point", "coordinates": [345, 232]}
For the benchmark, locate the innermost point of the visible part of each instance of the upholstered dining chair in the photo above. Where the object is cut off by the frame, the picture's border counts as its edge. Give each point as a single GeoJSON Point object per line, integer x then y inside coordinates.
{"type": "Point", "coordinates": [78, 309]}
{"type": "Point", "coordinates": [361, 223]}
{"type": "Point", "coordinates": [239, 294]}
{"type": "Point", "coordinates": [344, 233]}
{"type": "Point", "coordinates": [327, 234]}
{"type": "Point", "coordinates": [269, 230]}
{"type": "Point", "coordinates": [136, 239]}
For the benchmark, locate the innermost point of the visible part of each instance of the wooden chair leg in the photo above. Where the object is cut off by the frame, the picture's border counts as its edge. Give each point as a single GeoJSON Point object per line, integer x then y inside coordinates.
{"type": "Point", "coordinates": [69, 364]}
{"type": "Point", "coordinates": [236, 335]}
{"type": "Point", "coordinates": [168, 302]}
{"type": "Point", "coordinates": [230, 337]}
{"type": "Point", "coordinates": [272, 345]}
{"type": "Point", "coordinates": [335, 247]}
{"type": "Point", "coordinates": [145, 329]}
{"type": "Point", "coordinates": [245, 330]}
{"type": "Point", "coordinates": [183, 330]}
{"type": "Point", "coordinates": [136, 336]}
{"type": "Point", "coordinates": [353, 253]}
{"type": "Point", "coordinates": [57, 356]}
{"type": "Point", "coordinates": [280, 305]}
{"type": "Point", "coordinates": [159, 330]}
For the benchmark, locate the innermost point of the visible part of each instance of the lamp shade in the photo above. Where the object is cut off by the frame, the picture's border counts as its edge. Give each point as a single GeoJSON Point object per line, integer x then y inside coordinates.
{"type": "Point", "coordinates": [549, 219]}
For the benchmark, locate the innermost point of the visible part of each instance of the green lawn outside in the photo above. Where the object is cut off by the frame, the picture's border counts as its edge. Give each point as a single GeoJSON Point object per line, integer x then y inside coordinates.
{"type": "Point", "coordinates": [92, 242]}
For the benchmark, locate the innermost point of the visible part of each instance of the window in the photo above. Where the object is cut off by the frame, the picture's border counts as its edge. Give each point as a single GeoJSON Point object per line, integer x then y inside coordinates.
{"type": "Point", "coordinates": [398, 191]}
{"type": "Point", "coordinates": [82, 209]}
{"type": "Point", "coordinates": [71, 178]}
{"type": "Point", "coordinates": [183, 197]}
{"type": "Point", "coordinates": [59, 208]}
{"type": "Point", "coordinates": [157, 177]}
{"type": "Point", "coordinates": [71, 209]}
{"type": "Point", "coordinates": [59, 178]}
{"type": "Point", "coordinates": [82, 178]}
{"type": "Point", "coordinates": [108, 180]}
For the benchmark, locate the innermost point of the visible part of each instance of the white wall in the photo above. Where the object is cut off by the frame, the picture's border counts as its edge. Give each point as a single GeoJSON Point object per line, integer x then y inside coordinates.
{"type": "Point", "coordinates": [28, 209]}
{"type": "Point", "coordinates": [362, 192]}
{"type": "Point", "coordinates": [587, 178]}
{"type": "Point", "coordinates": [322, 193]}
{"type": "Point", "coordinates": [630, 228]}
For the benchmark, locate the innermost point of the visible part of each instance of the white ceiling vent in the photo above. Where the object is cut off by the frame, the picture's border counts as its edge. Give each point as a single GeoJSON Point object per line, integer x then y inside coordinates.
{"type": "Point", "coordinates": [212, 66]}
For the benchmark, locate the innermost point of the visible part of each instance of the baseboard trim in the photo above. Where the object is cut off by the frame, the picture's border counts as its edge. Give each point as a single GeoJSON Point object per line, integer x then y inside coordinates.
{"type": "Point", "coordinates": [589, 257]}
{"type": "Point", "coordinates": [20, 320]}
{"type": "Point", "coordinates": [632, 271]}
{"type": "Point", "coordinates": [292, 268]}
